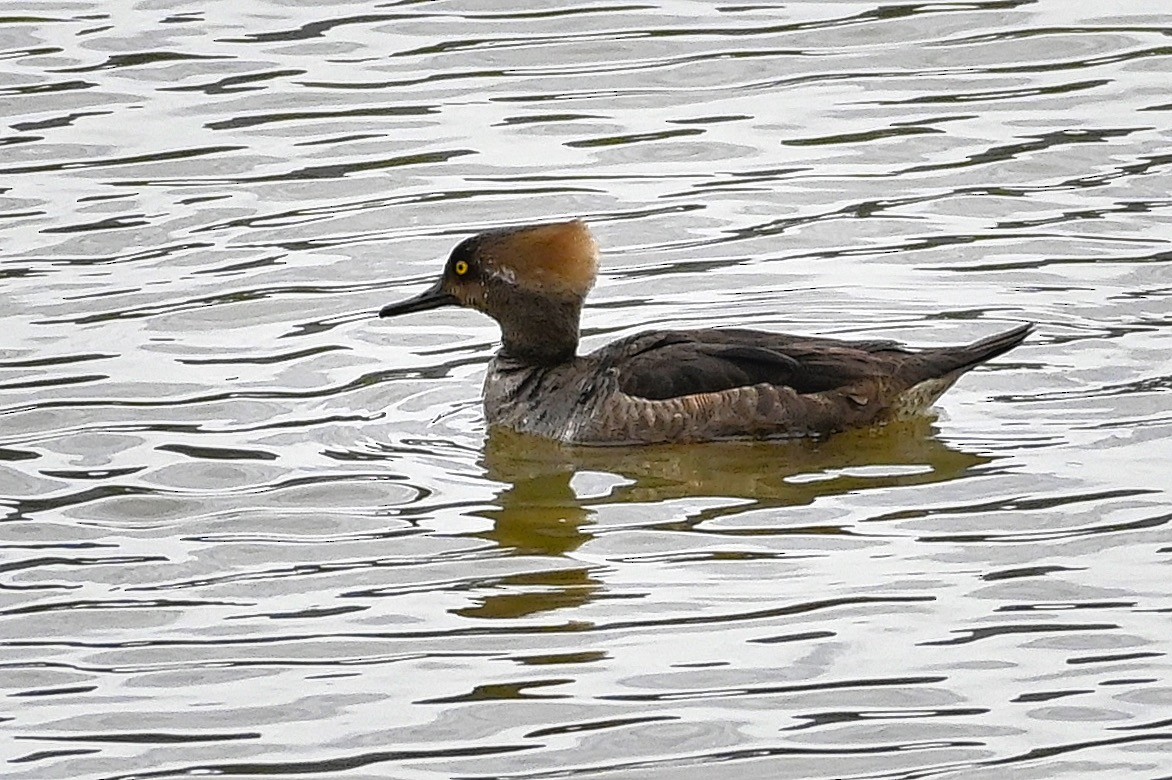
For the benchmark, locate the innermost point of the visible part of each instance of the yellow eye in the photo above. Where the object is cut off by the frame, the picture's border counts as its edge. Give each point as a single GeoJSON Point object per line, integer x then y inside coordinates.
{"type": "Point", "coordinates": [460, 268]}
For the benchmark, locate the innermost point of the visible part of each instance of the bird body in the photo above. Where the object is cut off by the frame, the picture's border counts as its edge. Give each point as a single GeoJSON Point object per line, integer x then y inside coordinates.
{"type": "Point", "coordinates": [669, 385]}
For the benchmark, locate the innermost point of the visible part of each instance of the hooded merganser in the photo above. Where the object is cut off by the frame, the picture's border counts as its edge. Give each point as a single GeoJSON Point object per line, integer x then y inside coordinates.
{"type": "Point", "coordinates": [668, 385]}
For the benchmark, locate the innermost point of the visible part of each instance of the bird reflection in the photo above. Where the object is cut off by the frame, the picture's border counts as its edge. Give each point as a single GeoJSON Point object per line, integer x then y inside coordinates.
{"type": "Point", "coordinates": [789, 473]}
{"type": "Point", "coordinates": [539, 513]}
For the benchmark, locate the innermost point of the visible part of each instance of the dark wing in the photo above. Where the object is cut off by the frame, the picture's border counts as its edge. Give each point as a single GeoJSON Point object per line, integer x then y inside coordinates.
{"type": "Point", "coordinates": [670, 364]}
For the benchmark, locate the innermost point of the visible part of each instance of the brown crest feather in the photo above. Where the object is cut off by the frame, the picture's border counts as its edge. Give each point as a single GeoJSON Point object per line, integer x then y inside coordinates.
{"type": "Point", "coordinates": [561, 257]}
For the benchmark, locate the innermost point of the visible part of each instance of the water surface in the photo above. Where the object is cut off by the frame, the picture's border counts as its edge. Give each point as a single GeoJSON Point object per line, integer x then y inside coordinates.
{"type": "Point", "coordinates": [248, 529]}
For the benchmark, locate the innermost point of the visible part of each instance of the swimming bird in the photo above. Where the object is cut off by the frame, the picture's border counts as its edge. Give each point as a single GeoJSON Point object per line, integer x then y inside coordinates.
{"type": "Point", "coordinates": [668, 385]}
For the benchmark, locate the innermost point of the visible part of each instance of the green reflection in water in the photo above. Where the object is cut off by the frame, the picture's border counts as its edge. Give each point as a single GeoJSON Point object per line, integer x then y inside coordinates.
{"type": "Point", "coordinates": [539, 513]}
{"type": "Point", "coordinates": [539, 496]}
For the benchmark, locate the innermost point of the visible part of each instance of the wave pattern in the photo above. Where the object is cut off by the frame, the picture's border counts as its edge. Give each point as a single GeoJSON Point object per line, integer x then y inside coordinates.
{"type": "Point", "coordinates": [247, 530]}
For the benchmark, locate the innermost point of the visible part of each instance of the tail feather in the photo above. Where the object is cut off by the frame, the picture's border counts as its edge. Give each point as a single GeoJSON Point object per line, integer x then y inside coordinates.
{"type": "Point", "coordinates": [991, 347]}
{"type": "Point", "coordinates": [945, 361]}
{"type": "Point", "coordinates": [931, 372]}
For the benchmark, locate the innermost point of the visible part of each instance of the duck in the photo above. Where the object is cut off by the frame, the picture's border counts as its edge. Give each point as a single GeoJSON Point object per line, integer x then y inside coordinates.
{"type": "Point", "coordinates": [668, 386]}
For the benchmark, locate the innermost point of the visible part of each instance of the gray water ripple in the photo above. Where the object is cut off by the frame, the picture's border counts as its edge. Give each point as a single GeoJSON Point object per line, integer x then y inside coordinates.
{"type": "Point", "coordinates": [260, 548]}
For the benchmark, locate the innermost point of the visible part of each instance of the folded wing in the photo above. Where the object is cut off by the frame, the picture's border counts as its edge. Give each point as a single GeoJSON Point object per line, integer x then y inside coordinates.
{"type": "Point", "coordinates": [670, 364]}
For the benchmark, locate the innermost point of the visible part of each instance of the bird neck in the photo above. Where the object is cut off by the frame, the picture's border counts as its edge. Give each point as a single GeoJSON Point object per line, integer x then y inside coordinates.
{"type": "Point", "coordinates": [537, 329]}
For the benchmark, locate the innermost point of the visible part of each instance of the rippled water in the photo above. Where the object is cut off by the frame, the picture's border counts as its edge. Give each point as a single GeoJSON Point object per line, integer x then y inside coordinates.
{"type": "Point", "coordinates": [250, 530]}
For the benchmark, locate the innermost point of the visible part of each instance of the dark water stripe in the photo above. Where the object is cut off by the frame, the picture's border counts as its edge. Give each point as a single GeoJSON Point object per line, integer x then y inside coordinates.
{"type": "Point", "coordinates": [597, 725]}
{"type": "Point", "coordinates": [135, 59]}
{"type": "Point", "coordinates": [634, 138]}
{"type": "Point", "coordinates": [179, 154]}
{"type": "Point", "coordinates": [688, 763]}
{"type": "Point", "coordinates": [324, 766]}
{"type": "Point", "coordinates": [308, 173]}
{"type": "Point", "coordinates": [318, 29]}
{"type": "Point", "coordinates": [1012, 537]}
{"type": "Point", "coordinates": [60, 381]}
{"type": "Point", "coordinates": [57, 360]}
{"type": "Point", "coordinates": [145, 737]}
{"type": "Point", "coordinates": [256, 120]}
{"type": "Point", "coordinates": [29, 507]}
{"type": "Point", "coordinates": [58, 121]}
{"type": "Point", "coordinates": [121, 222]}
{"type": "Point", "coordinates": [996, 94]}
{"type": "Point", "coordinates": [774, 690]}
{"type": "Point", "coordinates": [310, 214]}
{"type": "Point", "coordinates": [1014, 504]}
{"type": "Point", "coordinates": [45, 755]}
{"type": "Point", "coordinates": [91, 604]}
{"type": "Point", "coordinates": [823, 719]}
{"type": "Point", "coordinates": [63, 691]}
{"type": "Point", "coordinates": [870, 16]}
{"type": "Point", "coordinates": [372, 379]}
{"type": "Point", "coordinates": [34, 563]}
{"type": "Point", "coordinates": [244, 82]}
{"type": "Point", "coordinates": [217, 453]}
{"type": "Point", "coordinates": [986, 632]}
{"type": "Point", "coordinates": [1026, 33]}
{"type": "Point", "coordinates": [135, 255]}
{"type": "Point", "coordinates": [260, 360]}
{"type": "Point", "coordinates": [42, 89]}
{"type": "Point", "coordinates": [568, 627]}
